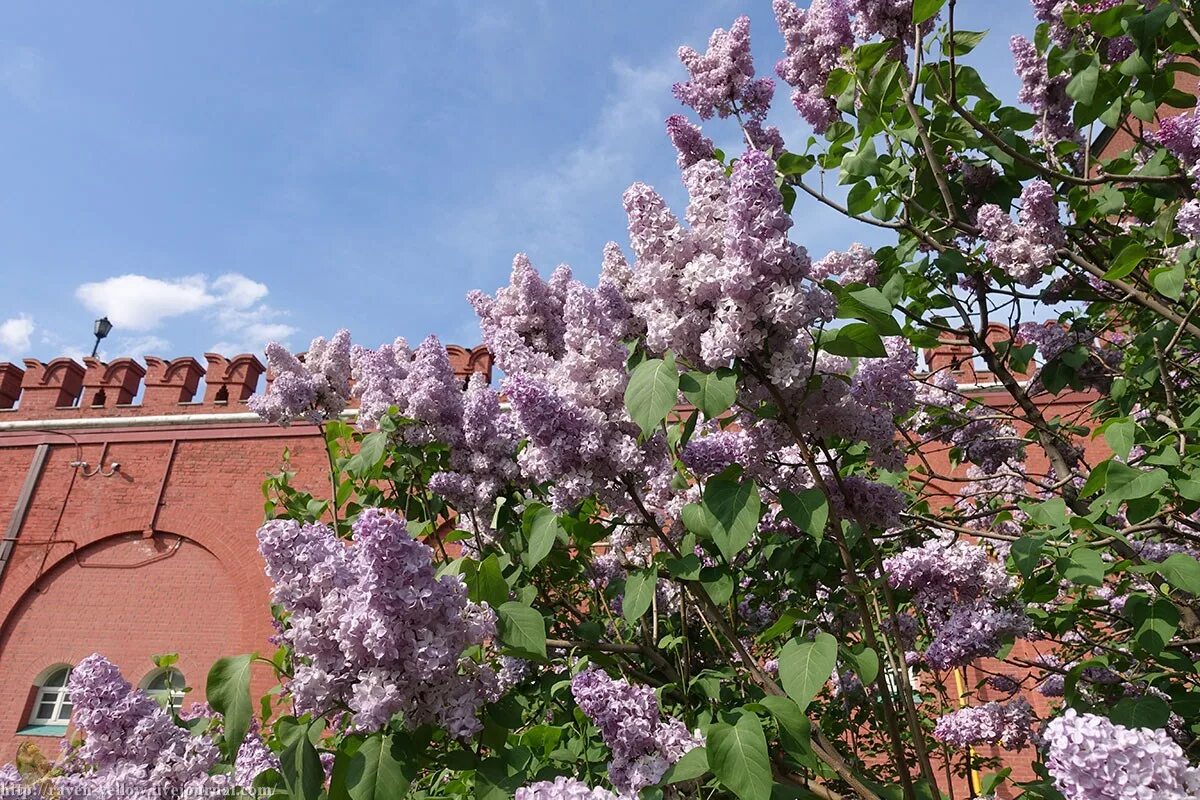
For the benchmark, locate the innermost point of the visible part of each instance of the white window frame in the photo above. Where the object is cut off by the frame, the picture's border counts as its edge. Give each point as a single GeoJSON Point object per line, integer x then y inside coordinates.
{"type": "Point", "coordinates": [58, 695]}
{"type": "Point", "coordinates": [174, 695]}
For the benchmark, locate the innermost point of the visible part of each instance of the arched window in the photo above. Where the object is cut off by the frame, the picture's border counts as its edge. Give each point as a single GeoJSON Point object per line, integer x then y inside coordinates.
{"type": "Point", "coordinates": [166, 686]}
{"type": "Point", "coordinates": [52, 706]}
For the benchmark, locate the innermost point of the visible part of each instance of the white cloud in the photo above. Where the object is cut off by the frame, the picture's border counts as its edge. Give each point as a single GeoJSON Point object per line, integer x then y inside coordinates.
{"type": "Point", "coordinates": [238, 290]}
{"type": "Point", "coordinates": [231, 302]}
{"type": "Point", "coordinates": [15, 336]}
{"type": "Point", "coordinates": [139, 303]}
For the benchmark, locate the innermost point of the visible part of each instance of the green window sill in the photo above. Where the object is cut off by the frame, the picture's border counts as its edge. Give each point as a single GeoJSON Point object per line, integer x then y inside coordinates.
{"type": "Point", "coordinates": [43, 730]}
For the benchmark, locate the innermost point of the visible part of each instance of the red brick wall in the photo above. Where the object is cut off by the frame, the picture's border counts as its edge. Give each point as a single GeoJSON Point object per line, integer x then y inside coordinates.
{"type": "Point", "coordinates": [159, 557]}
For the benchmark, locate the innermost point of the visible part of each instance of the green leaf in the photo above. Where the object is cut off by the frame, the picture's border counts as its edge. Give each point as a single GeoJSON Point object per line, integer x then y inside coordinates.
{"type": "Point", "coordinates": [717, 583]}
{"type": "Point", "coordinates": [693, 764]}
{"type": "Point", "coordinates": [1123, 482]}
{"type": "Point", "coordinates": [1147, 711]}
{"type": "Point", "coordinates": [856, 340]}
{"type": "Point", "coordinates": [228, 692]}
{"type": "Point", "coordinates": [966, 41]}
{"type": "Point", "coordinates": [488, 585]}
{"type": "Point", "coordinates": [300, 767]}
{"type": "Point", "coordinates": [865, 662]}
{"type": "Point", "coordinates": [808, 509]}
{"type": "Point", "coordinates": [1126, 261]}
{"type": "Point", "coordinates": [1154, 622]}
{"type": "Point", "coordinates": [1119, 435]}
{"type": "Point", "coordinates": [734, 507]}
{"type": "Point", "coordinates": [1169, 279]}
{"type": "Point", "coordinates": [652, 391]}
{"type": "Point", "coordinates": [924, 9]}
{"type": "Point", "coordinates": [382, 768]}
{"type": "Point", "coordinates": [1084, 567]}
{"type": "Point", "coordinates": [523, 630]}
{"type": "Point", "coordinates": [1026, 553]}
{"type": "Point", "coordinates": [737, 755]}
{"type": "Point", "coordinates": [370, 454]}
{"type": "Point", "coordinates": [1182, 571]}
{"type": "Point", "coordinates": [698, 520]}
{"type": "Point", "coordinates": [543, 530]}
{"type": "Point", "coordinates": [711, 392]}
{"type": "Point", "coordinates": [872, 307]}
{"type": "Point", "coordinates": [1052, 513]}
{"type": "Point", "coordinates": [639, 592]}
{"type": "Point", "coordinates": [863, 162]}
{"type": "Point", "coordinates": [1082, 87]}
{"type": "Point", "coordinates": [805, 667]}
{"type": "Point", "coordinates": [795, 731]}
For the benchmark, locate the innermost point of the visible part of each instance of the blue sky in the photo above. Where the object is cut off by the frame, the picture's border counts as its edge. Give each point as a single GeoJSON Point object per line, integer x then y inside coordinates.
{"type": "Point", "coordinates": [214, 175]}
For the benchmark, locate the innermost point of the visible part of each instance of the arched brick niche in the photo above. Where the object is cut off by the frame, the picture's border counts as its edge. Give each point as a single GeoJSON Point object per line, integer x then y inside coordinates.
{"type": "Point", "coordinates": [129, 598]}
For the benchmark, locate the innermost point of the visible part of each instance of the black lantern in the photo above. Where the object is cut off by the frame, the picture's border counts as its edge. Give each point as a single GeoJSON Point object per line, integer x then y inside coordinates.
{"type": "Point", "coordinates": [101, 329]}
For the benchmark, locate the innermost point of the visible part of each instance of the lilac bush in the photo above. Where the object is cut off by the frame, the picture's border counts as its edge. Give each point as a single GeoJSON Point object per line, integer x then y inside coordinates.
{"type": "Point", "coordinates": [738, 523]}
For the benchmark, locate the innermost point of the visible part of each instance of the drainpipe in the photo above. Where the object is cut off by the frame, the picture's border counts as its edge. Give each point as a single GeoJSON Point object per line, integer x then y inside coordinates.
{"type": "Point", "coordinates": [22, 508]}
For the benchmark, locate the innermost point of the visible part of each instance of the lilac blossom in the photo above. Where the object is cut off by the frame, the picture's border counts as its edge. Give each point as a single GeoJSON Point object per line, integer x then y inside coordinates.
{"type": "Point", "coordinates": [1006, 724]}
{"type": "Point", "coordinates": [887, 383]}
{"type": "Point", "coordinates": [856, 265]}
{"type": "Point", "coordinates": [379, 379]}
{"type": "Point", "coordinates": [972, 631]}
{"type": "Point", "coordinates": [643, 745]}
{"type": "Point", "coordinates": [1047, 96]}
{"type": "Point", "coordinates": [1092, 758]}
{"type": "Point", "coordinates": [314, 387]}
{"type": "Point", "coordinates": [130, 745]}
{"type": "Point", "coordinates": [814, 42]}
{"type": "Point", "coordinates": [888, 19]}
{"type": "Point", "coordinates": [692, 144]}
{"type": "Point", "coordinates": [563, 788]}
{"type": "Point", "coordinates": [253, 759]}
{"type": "Point", "coordinates": [722, 80]}
{"type": "Point", "coordinates": [373, 627]}
{"type": "Point", "coordinates": [1187, 220]}
{"type": "Point", "coordinates": [1023, 250]}
{"type": "Point", "coordinates": [712, 453]}
{"type": "Point", "coordinates": [12, 785]}
{"type": "Point", "coordinates": [1181, 136]}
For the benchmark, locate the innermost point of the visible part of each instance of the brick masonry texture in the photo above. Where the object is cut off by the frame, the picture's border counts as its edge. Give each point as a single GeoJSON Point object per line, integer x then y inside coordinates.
{"type": "Point", "coordinates": [159, 557]}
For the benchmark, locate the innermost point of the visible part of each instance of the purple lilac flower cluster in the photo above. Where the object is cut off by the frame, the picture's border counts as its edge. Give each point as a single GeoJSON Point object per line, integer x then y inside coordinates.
{"type": "Point", "coordinates": [562, 788]}
{"type": "Point", "coordinates": [856, 265]}
{"type": "Point", "coordinates": [373, 628]}
{"type": "Point", "coordinates": [253, 758]}
{"type": "Point", "coordinates": [814, 42]}
{"type": "Point", "coordinates": [1006, 724]}
{"type": "Point", "coordinates": [1092, 758]}
{"type": "Point", "coordinates": [1187, 220]}
{"type": "Point", "coordinates": [315, 387]}
{"type": "Point", "coordinates": [888, 19]}
{"type": "Point", "coordinates": [1053, 11]}
{"type": "Point", "coordinates": [1023, 250]}
{"type": "Point", "coordinates": [689, 141]}
{"type": "Point", "coordinates": [1047, 96]}
{"type": "Point", "coordinates": [722, 80]}
{"type": "Point", "coordinates": [643, 745]}
{"type": "Point", "coordinates": [12, 785]}
{"type": "Point", "coordinates": [1053, 339]}
{"type": "Point", "coordinates": [1181, 136]}
{"type": "Point", "coordinates": [963, 594]}
{"type": "Point", "coordinates": [130, 745]}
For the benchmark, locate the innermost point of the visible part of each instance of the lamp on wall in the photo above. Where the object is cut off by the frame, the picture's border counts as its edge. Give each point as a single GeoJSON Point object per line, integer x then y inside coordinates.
{"type": "Point", "coordinates": [101, 329]}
